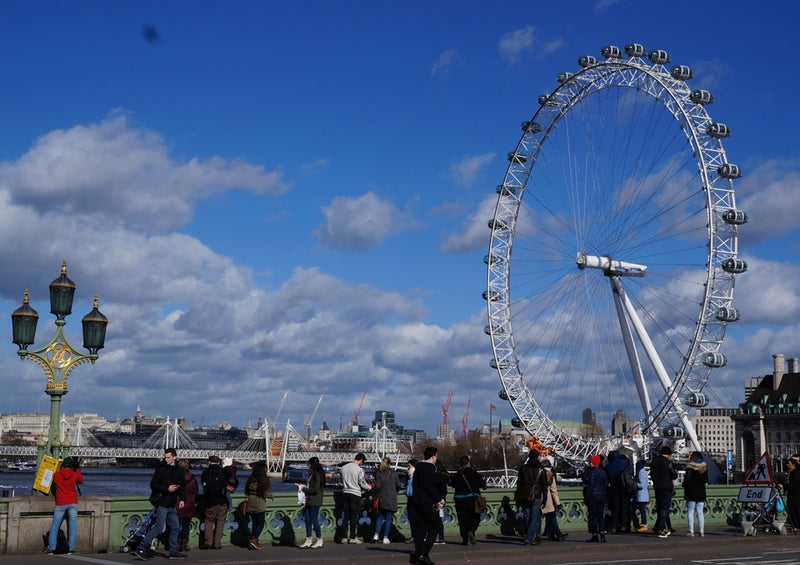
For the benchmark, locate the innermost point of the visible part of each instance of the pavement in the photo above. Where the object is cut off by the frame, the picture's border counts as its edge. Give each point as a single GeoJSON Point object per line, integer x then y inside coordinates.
{"type": "Point", "coordinates": [489, 549]}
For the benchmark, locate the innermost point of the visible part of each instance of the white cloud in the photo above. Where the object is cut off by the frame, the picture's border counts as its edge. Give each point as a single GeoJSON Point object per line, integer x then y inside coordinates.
{"type": "Point", "coordinates": [475, 234]}
{"type": "Point", "coordinates": [361, 223]}
{"type": "Point", "coordinates": [442, 67]}
{"type": "Point", "coordinates": [770, 195]}
{"type": "Point", "coordinates": [514, 44]}
{"type": "Point", "coordinates": [468, 168]}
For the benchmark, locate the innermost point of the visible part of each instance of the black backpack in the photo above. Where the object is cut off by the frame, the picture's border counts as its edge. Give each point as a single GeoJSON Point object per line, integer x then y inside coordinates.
{"type": "Point", "coordinates": [626, 483]}
{"type": "Point", "coordinates": [215, 484]}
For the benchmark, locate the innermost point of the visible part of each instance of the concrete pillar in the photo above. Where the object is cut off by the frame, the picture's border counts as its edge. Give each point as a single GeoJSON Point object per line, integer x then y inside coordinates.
{"type": "Point", "coordinates": [793, 365]}
{"type": "Point", "coordinates": [779, 369]}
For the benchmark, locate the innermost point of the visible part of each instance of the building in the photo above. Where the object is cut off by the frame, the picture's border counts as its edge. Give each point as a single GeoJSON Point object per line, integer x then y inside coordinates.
{"type": "Point", "coordinates": [716, 431]}
{"type": "Point", "coordinates": [620, 424]}
{"type": "Point", "coordinates": [769, 419]}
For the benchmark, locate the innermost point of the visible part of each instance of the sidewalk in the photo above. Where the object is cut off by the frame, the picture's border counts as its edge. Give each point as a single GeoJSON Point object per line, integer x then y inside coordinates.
{"type": "Point", "coordinates": [491, 549]}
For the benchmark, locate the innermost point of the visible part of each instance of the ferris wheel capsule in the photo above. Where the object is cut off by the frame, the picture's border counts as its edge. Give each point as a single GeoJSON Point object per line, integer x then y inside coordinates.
{"type": "Point", "coordinates": [681, 72]}
{"type": "Point", "coordinates": [497, 224]}
{"type": "Point", "coordinates": [718, 131]}
{"type": "Point", "coordinates": [701, 97]}
{"type": "Point", "coordinates": [492, 295]}
{"type": "Point", "coordinates": [489, 330]}
{"type": "Point", "coordinates": [503, 395]}
{"type": "Point", "coordinates": [713, 360]}
{"type": "Point", "coordinates": [492, 259]}
{"type": "Point", "coordinates": [659, 57]}
{"type": "Point", "coordinates": [674, 432]}
{"type": "Point", "coordinates": [531, 127]}
{"type": "Point", "coordinates": [545, 100]}
{"type": "Point", "coordinates": [516, 423]}
{"type": "Point", "coordinates": [587, 61]}
{"type": "Point", "coordinates": [696, 400]}
{"type": "Point", "coordinates": [611, 52]}
{"type": "Point", "coordinates": [503, 364]}
{"type": "Point", "coordinates": [734, 217]}
{"type": "Point", "coordinates": [506, 190]}
{"type": "Point", "coordinates": [729, 171]}
{"type": "Point", "coordinates": [564, 77]}
{"type": "Point", "coordinates": [726, 314]}
{"type": "Point", "coordinates": [518, 157]}
{"type": "Point", "coordinates": [635, 50]}
{"type": "Point", "coordinates": [735, 266]}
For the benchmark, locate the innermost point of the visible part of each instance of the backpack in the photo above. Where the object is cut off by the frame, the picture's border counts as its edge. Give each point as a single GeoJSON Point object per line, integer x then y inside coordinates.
{"type": "Point", "coordinates": [215, 484]}
{"type": "Point", "coordinates": [626, 483]}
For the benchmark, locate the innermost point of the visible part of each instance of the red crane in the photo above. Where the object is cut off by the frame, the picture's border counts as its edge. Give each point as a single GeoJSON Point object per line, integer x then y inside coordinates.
{"type": "Point", "coordinates": [445, 409]}
{"type": "Point", "coordinates": [357, 412]}
{"type": "Point", "coordinates": [463, 426]}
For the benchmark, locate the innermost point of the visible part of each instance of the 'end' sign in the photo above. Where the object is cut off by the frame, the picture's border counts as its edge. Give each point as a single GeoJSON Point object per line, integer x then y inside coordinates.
{"type": "Point", "coordinates": [755, 494]}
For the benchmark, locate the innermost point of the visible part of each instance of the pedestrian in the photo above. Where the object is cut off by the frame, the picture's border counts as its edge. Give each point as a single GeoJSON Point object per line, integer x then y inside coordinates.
{"type": "Point", "coordinates": [65, 483]}
{"type": "Point", "coordinates": [387, 483]}
{"type": "Point", "coordinates": [189, 509]}
{"type": "Point", "coordinates": [595, 494]}
{"type": "Point", "coordinates": [257, 489]}
{"type": "Point", "coordinates": [618, 498]}
{"type": "Point", "coordinates": [314, 491]}
{"type": "Point", "coordinates": [443, 480]}
{"type": "Point", "coordinates": [664, 475]}
{"type": "Point", "coordinates": [467, 484]}
{"type": "Point", "coordinates": [552, 503]}
{"type": "Point", "coordinates": [168, 487]}
{"type": "Point", "coordinates": [411, 511]}
{"type": "Point", "coordinates": [215, 494]}
{"type": "Point", "coordinates": [642, 495]}
{"type": "Point", "coordinates": [694, 491]}
{"type": "Point", "coordinates": [229, 469]}
{"type": "Point", "coordinates": [792, 491]}
{"type": "Point", "coordinates": [531, 490]}
{"type": "Point", "coordinates": [427, 501]}
{"type": "Point", "coordinates": [353, 485]}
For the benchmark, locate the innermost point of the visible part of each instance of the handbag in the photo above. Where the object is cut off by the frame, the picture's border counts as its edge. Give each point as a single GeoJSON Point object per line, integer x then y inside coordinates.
{"type": "Point", "coordinates": [155, 498]}
{"type": "Point", "coordinates": [480, 501]}
{"type": "Point", "coordinates": [780, 506]}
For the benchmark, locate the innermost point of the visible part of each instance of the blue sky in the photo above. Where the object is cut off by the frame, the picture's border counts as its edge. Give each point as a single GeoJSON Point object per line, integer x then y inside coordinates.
{"type": "Point", "coordinates": [294, 197]}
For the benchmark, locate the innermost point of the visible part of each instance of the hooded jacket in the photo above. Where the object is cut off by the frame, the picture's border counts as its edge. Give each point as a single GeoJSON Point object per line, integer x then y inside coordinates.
{"type": "Point", "coordinates": [694, 483]}
{"type": "Point", "coordinates": [64, 482]}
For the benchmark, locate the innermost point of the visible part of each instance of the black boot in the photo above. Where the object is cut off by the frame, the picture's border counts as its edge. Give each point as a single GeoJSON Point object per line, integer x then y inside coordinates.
{"type": "Point", "coordinates": [594, 539]}
{"type": "Point", "coordinates": [603, 538]}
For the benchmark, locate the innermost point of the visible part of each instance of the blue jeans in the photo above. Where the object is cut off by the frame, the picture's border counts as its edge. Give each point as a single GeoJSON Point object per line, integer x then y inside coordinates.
{"type": "Point", "coordinates": [168, 516]}
{"type": "Point", "coordinates": [691, 507]}
{"type": "Point", "coordinates": [533, 520]}
{"type": "Point", "coordinates": [663, 505]}
{"type": "Point", "coordinates": [311, 518]}
{"type": "Point", "coordinates": [71, 510]}
{"type": "Point", "coordinates": [384, 517]}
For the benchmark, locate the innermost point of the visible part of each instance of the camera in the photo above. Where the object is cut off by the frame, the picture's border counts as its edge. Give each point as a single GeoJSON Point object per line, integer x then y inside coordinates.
{"type": "Point", "coordinates": [71, 463]}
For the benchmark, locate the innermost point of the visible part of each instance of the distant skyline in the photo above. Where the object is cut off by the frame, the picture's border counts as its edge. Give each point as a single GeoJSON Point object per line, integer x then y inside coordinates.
{"type": "Point", "coordinates": [272, 198]}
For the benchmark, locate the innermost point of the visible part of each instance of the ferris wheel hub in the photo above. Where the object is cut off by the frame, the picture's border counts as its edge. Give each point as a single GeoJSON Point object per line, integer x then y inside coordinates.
{"type": "Point", "coordinates": [610, 266]}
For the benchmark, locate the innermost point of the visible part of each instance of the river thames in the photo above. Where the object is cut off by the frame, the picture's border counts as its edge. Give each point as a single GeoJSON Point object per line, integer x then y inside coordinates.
{"type": "Point", "coordinates": [115, 481]}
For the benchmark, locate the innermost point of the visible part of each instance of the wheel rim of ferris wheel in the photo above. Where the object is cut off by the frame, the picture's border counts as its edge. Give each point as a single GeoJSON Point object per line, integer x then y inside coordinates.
{"type": "Point", "coordinates": [643, 196]}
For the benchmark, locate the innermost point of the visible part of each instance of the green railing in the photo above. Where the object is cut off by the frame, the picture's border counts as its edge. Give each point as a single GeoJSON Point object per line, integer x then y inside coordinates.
{"type": "Point", "coordinates": [284, 520]}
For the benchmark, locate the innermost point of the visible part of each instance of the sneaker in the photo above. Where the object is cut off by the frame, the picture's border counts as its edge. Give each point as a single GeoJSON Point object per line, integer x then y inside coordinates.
{"type": "Point", "coordinates": [141, 554]}
{"type": "Point", "coordinates": [176, 555]}
{"type": "Point", "coordinates": [375, 538]}
{"type": "Point", "coordinates": [317, 543]}
{"type": "Point", "coordinates": [409, 540]}
{"type": "Point", "coordinates": [439, 542]}
{"type": "Point", "coordinates": [306, 543]}
{"type": "Point", "coordinates": [355, 541]}
{"type": "Point", "coordinates": [664, 534]}
{"type": "Point", "coordinates": [385, 541]}
{"type": "Point", "coordinates": [702, 534]}
{"type": "Point", "coordinates": [47, 552]}
{"type": "Point", "coordinates": [689, 534]}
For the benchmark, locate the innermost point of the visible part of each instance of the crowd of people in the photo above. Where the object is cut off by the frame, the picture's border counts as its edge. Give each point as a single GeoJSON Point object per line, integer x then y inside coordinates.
{"type": "Point", "coordinates": [610, 483]}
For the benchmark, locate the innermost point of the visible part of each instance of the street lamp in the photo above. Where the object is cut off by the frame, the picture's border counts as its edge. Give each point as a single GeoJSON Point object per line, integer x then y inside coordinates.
{"type": "Point", "coordinates": [58, 357]}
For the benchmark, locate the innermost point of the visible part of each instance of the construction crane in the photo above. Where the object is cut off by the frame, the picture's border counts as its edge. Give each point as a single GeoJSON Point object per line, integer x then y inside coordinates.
{"type": "Point", "coordinates": [445, 409]}
{"type": "Point", "coordinates": [463, 426]}
{"type": "Point", "coordinates": [278, 413]}
{"type": "Point", "coordinates": [310, 421]}
{"type": "Point", "coordinates": [358, 412]}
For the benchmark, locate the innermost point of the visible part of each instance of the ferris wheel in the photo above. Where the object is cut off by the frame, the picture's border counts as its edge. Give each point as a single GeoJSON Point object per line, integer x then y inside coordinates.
{"type": "Point", "coordinates": [613, 255]}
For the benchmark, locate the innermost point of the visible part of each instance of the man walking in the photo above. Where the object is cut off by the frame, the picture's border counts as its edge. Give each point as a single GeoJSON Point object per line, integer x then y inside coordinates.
{"type": "Point", "coordinates": [427, 502]}
{"type": "Point", "coordinates": [663, 474]}
{"type": "Point", "coordinates": [353, 483]}
{"type": "Point", "coordinates": [215, 491]}
{"type": "Point", "coordinates": [167, 486]}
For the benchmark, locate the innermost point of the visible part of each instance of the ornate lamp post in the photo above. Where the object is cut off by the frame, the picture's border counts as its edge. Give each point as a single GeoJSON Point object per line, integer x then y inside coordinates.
{"type": "Point", "coordinates": [58, 357]}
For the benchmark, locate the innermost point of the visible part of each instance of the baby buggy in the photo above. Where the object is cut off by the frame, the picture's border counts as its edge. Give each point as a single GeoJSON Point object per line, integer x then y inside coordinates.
{"type": "Point", "coordinates": [763, 518]}
{"type": "Point", "coordinates": [137, 533]}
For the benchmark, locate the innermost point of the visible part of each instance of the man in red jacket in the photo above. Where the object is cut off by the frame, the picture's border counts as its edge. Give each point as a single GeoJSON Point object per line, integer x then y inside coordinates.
{"type": "Point", "coordinates": [64, 483]}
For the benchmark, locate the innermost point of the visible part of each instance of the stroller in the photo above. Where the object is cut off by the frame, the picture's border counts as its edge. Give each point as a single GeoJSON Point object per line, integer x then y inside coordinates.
{"type": "Point", "coordinates": [763, 518]}
{"type": "Point", "coordinates": [137, 533]}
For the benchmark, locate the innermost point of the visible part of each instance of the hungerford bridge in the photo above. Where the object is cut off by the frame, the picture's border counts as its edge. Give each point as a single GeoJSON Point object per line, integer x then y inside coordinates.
{"type": "Point", "coordinates": [258, 447]}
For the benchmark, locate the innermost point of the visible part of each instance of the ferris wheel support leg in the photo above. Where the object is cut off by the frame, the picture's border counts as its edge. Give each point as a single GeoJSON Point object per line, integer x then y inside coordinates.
{"type": "Point", "coordinates": [655, 360]}
{"type": "Point", "coordinates": [633, 355]}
